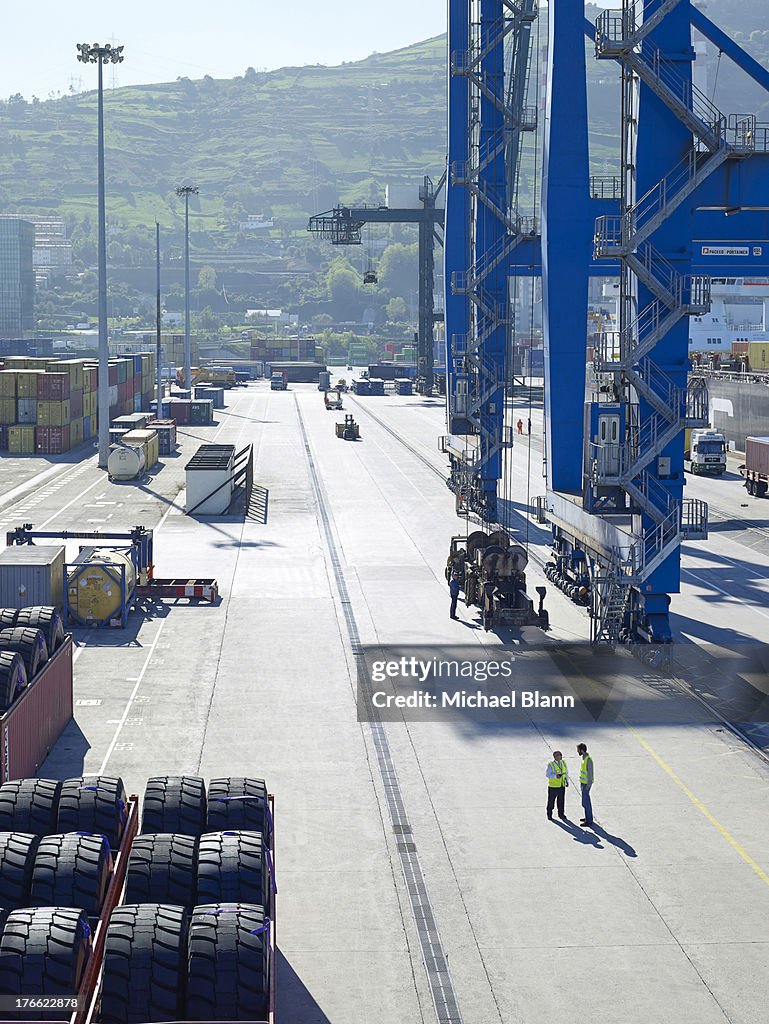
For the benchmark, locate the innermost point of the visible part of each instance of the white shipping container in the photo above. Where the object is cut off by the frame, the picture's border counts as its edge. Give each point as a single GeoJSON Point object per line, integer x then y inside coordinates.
{"type": "Point", "coordinates": [113, 395]}
{"type": "Point", "coordinates": [403, 197]}
{"type": "Point", "coordinates": [32, 574]}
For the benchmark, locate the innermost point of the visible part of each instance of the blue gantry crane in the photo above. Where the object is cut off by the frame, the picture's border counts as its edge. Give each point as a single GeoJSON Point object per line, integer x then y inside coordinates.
{"type": "Point", "coordinates": [614, 457]}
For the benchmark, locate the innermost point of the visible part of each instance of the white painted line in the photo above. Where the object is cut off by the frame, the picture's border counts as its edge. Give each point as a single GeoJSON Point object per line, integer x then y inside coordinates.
{"type": "Point", "coordinates": [32, 484]}
{"type": "Point", "coordinates": [135, 690]}
{"type": "Point", "coordinates": [69, 503]}
{"type": "Point", "coordinates": [726, 593]}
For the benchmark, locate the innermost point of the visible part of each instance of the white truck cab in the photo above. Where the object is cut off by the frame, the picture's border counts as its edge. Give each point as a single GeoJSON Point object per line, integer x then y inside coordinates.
{"type": "Point", "coordinates": [705, 451]}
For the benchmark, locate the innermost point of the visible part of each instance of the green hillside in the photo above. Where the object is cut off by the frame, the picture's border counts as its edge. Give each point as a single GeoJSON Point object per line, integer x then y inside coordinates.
{"type": "Point", "coordinates": [286, 143]}
{"type": "Point", "coordinates": [283, 145]}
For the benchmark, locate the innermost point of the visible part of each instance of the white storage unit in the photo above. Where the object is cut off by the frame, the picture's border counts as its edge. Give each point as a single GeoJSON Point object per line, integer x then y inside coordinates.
{"type": "Point", "coordinates": [403, 197]}
{"type": "Point", "coordinates": [126, 461]}
{"type": "Point", "coordinates": [209, 479]}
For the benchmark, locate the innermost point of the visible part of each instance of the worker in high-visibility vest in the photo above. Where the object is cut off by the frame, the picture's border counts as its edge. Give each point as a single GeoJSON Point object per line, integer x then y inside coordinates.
{"type": "Point", "coordinates": [557, 776]}
{"type": "Point", "coordinates": [586, 778]}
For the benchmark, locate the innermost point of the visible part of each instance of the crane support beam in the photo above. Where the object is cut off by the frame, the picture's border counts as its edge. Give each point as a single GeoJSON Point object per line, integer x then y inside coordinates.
{"type": "Point", "coordinates": [456, 243]}
{"type": "Point", "coordinates": [567, 230]}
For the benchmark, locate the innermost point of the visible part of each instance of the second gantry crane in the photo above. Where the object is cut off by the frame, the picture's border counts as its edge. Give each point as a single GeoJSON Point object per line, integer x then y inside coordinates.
{"type": "Point", "coordinates": [343, 225]}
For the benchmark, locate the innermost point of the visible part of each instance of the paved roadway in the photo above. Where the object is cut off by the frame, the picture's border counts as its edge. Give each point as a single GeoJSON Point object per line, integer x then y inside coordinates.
{"type": "Point", "coordinates": [657, 915]}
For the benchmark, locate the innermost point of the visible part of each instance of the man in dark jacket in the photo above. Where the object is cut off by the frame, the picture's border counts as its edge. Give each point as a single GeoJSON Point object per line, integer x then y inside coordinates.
{"type": "Point", "coordinates": [454, 591]}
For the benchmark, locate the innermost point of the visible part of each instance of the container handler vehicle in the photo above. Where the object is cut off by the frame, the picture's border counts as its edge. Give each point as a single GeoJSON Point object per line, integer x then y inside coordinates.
{"type": "Point", "coordinates": [490, 569]}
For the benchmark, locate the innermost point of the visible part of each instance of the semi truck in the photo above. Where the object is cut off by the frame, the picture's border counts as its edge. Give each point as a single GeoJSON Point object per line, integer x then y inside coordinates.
{"type": "Point", "coordinates": [705, 452]}
{"type": "Point", "coordinates": [755, 469]}
{"type": "Point", "coordinates": [279, 380]}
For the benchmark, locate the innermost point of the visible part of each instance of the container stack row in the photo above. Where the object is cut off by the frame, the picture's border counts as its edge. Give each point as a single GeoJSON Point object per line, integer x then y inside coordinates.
{"type": "Point", "coordinates": [48, 406]}
{"type": "Point", "coordinates": [301, 349]}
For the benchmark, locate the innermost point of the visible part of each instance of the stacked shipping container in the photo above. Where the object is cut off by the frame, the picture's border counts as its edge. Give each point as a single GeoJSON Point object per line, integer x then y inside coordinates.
{"type": "Point", "coordinates": [49, 406]}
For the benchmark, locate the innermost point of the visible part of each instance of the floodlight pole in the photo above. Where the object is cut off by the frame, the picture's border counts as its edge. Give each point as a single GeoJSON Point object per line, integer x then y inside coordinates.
{"type": "Point", "coordinates": [158, 324]}
{"type": "Point", "coordinates": [95, 54]}
{"type": "Point", "coordinates": [187, 191]}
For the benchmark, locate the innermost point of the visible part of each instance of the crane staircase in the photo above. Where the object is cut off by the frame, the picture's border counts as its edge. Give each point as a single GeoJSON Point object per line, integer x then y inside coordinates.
{"type": "Point", "coordinates": [498, 114]}
{"type": "Point", "coordinates": [659, 408]}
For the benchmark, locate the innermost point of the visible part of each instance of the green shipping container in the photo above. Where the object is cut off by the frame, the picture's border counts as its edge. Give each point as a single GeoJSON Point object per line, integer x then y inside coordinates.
{"type": "Point", "coordinates": [53, 414]}
{"type": "Point", "coordinates": [21, 440]}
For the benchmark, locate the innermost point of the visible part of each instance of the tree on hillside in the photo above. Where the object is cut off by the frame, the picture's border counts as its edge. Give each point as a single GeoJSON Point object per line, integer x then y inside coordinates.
{"type": "Point", "coordinates": [207, 279]}
{"type": "Point", "coordinates": [397, 310]}
{"type": "Point", "coordinates": [398, 271]}
{"type": "Point", "coordinates": [344, 289]}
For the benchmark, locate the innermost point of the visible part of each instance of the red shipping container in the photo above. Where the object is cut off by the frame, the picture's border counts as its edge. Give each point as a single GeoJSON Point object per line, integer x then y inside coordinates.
{"type": "Point", "coordinates": [76, 405]}
{"type": "Point", "coordinates": [52, 440]}
{"type": "Point", "coordinates": [757, 455]}
{"type": "Point", "coordinates": [33, 723]}
{"type": "Point", "coordinates": [53, 387]}
{"type": "Point", "coordinates": [180, 411]}
{"type": "Point", "coordinates": [113, 378]}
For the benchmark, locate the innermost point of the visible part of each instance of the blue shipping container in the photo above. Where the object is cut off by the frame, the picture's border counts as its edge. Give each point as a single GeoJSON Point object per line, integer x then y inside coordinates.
{"type": "Point", "coordinates": [137, 365]}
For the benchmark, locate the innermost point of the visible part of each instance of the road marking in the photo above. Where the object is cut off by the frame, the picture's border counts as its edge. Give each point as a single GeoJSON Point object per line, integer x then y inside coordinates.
{"type": "Point", "coordinates": [700, 806]}
{"type": "Point", "coordinates": [726, 593]}
{"type": "Point", "coordinates": [121, 723]}
{"type": "Point", "coordinates": [69, 503]}
{"type": "Point", "coordinates": [709, 816]}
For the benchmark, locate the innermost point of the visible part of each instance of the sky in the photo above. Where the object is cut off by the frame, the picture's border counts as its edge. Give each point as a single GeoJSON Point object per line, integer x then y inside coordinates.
{"type": "Point", "coordinates": [167, 39]}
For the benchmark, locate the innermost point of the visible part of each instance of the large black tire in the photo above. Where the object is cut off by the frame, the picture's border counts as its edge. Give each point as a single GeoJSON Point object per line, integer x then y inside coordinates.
{"type": "Point", "coordinates": [30, 643]}
{"type": "Point", "coordinates": [174, 803]}
{"type": "Point", "coordinates": [228, 964]}
{"type": "Point", "coordinates": [8, 617]}
{"type": "Point", "coordinates": [71, 870]}
{"type": "Point", "coordinates": [13, 678]}
{"type": "Point", "coordinates": [238, 803]}
{"type": "Point", "coordinates": [47, 619]}
{"type": "Point", "coordinates": [17, 857]}
{"type": "Point", "coordinates": [44, 951]}
{"type": "Point", "coordinates": [93, 803]}
{"type": "Point", "coordinates": [29, 805]}
{"type": "Point", "coordinates": [145, 965]}
{"type": "Point", "coordinates": [232, 869]}
{"type": "Point", "coordinates": [161, 869]}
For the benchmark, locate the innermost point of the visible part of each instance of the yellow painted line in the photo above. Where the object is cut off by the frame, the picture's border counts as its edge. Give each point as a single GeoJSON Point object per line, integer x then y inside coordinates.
{"type": "Point", "coordinates": [685, 789]}
{"type": "Point", "coordinates": [699, 805]}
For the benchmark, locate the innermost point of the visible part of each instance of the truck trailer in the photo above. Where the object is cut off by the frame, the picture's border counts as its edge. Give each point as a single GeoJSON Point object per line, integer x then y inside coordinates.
{"type": "Point", "coordinates": [755, 468]}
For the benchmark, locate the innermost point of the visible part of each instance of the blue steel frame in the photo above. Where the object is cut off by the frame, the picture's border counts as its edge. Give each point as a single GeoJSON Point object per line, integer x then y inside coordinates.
{"type": "Point", "coordinates": [564, 253]}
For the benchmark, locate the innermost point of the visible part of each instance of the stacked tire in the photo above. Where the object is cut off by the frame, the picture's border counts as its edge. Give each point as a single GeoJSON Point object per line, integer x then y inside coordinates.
{"type": "Point", "coordinates": [28, 638]}
{"type": "Point", "coordinates": [55, 865]}
{"type": "Point", "coordinates": [192, 941]}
